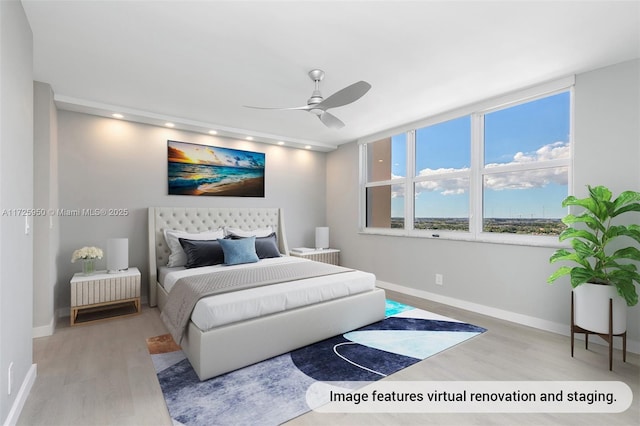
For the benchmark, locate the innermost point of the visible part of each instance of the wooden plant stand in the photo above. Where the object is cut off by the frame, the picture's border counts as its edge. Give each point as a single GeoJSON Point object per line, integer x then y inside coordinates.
{"type": "Point", "coordinates": [607, 337]}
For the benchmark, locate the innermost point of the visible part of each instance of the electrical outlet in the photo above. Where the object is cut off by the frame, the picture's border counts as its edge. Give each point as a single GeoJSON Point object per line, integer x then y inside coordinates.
{"type": "Point", "coordinates": [439, 279]}
{"type": "Point", "coordinates": [9, 378]}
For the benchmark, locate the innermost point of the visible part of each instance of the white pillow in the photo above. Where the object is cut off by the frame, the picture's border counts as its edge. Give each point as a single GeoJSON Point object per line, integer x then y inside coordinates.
{"type": "Point", "coordinates": [178, 257]}
{"type": "Point", "coordinates": [259, 233]}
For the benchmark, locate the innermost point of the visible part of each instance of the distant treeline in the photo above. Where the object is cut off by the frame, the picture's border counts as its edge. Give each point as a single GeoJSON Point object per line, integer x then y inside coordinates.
{"type": "Point", "coordinates": [541, 226]}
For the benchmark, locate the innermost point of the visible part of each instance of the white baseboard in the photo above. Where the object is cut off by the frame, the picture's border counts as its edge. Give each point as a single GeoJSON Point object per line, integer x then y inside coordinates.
{"type": "Point", "coordinates": [529, 321]}
{"type": "Point", "coordinates": [45, 330]}
{"type": "Point", "coordinates": [21, 397]}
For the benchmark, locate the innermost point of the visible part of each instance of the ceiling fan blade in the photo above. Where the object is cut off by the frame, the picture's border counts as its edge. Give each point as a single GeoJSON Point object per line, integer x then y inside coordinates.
{"type": "Point", "coordinates": [345, 96]}
{"type": "Point", "coordinates": [306, 107]}
{"type": "Point", "coordinates": [331, 120]}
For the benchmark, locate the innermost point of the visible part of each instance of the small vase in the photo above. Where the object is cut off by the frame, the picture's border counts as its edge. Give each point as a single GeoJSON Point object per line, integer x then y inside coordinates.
{"type": "Point", "coordinates": [88, 266]}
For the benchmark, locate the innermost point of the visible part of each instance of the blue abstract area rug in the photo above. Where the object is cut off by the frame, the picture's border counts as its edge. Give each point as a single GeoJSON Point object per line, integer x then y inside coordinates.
{"type": "Point", "coordinates": [279, 389]}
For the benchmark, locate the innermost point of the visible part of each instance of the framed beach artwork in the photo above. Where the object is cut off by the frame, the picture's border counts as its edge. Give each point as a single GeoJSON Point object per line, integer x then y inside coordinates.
{"type": "Point", "coordinates": [210, 170]}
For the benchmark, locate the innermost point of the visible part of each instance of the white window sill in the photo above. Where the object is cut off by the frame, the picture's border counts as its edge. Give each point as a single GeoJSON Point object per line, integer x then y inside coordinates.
{"type": "Point", "coordinates": [511, 239]}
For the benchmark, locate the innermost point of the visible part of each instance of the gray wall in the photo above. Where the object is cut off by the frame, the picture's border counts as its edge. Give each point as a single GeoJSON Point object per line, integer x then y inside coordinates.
{"type": "Point", "coordinates": [109, 163]}
{"type": "Point", "coordinates": [16, 192]}
{"type": "Point", "coordinates": [46, 229]}
{"type": "Point", "coordinates": [506, 279]}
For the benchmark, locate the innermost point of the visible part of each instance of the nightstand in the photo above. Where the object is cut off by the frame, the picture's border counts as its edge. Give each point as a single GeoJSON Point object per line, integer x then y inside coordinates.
{"type": "Point", "coordinates": [115, 295]}
{"type": "Point", "coordinates": [331, 256]}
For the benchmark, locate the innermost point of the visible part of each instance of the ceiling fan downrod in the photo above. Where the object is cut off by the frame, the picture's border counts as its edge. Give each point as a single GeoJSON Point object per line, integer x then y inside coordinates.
{"type": "Point", "coordinates": [316, 97]}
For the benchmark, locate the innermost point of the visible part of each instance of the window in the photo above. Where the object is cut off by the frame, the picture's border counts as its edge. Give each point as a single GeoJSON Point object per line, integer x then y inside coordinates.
{"type": "Point", "coordinates": [441, 183]}
{"type": "Point", "coordinates": [526, 166]}
{"type": "Point", "coordinates": [495, 171]}
{"type": "Point", "coordinates": [386, 172]}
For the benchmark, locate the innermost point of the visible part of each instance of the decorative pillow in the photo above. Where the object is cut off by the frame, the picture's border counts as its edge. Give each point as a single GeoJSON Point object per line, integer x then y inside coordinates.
{"type": "Point", "coordinates": [202, 252]}
{"type": "Point", "coordinates": [260, 232]}
{"type": "Point", "coordinates": [178, 256]}
{"type": "Point", "coordinates": [266, 247]}
{"type": "Point", "coordinates": [238, 251]}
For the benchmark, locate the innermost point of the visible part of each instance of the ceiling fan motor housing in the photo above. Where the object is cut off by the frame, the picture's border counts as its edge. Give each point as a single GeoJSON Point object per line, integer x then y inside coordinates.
{"type": "Point", "coordinates": [316, 97]}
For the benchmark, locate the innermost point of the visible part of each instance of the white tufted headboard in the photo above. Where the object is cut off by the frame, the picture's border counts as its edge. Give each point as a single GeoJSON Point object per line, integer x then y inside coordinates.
{"type": "Point", "coordinates": [193, 219]}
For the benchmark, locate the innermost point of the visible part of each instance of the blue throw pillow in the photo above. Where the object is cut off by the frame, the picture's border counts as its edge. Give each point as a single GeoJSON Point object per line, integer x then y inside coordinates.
{"type": "Point", "coordinates": [239, 251]}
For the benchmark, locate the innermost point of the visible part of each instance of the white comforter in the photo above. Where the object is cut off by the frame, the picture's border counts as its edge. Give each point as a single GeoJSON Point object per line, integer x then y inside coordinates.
{"type": "Point", "coordinates": [237, 306]}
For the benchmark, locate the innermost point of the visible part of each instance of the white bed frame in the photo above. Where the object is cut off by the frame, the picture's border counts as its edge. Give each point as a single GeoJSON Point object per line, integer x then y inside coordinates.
{"type": "Point", "coordinates": [237, 345]}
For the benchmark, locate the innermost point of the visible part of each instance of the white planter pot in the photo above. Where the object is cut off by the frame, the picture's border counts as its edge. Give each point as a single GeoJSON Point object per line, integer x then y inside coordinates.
{"type": "Point", "coordinates": [591, 304]}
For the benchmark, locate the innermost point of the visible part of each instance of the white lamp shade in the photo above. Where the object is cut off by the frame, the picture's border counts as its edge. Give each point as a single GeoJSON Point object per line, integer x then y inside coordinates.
{"type": "Point", "coordinates": [322, 237]}
{"type": "Point", "coordinates": [117, 254]}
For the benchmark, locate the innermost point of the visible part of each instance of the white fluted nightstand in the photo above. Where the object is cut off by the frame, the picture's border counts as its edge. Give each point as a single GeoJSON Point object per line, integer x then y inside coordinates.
{"type": "Point", "coordinates": [119, 293]}
{"type": "Point", "coordinates": [331, 256]}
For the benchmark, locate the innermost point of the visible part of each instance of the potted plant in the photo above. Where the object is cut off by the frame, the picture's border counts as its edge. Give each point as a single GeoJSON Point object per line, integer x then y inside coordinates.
{"type": "Point", "coordinates": [605, 267]}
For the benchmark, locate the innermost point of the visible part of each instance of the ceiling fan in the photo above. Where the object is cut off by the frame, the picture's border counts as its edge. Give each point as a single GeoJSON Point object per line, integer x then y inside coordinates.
{"type": "Point", "coordinates": [318, 105]}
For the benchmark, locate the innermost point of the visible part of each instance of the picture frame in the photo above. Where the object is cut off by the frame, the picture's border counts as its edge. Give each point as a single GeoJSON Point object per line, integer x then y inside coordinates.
{"type": "Point", "coordinates": [205, 170]}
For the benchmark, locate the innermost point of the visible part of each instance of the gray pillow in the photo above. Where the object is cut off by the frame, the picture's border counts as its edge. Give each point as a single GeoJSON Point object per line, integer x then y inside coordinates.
{"type": "Point", "coordinates": [202, 252]}
{"type": "Point", "coordinates": [266, 247]}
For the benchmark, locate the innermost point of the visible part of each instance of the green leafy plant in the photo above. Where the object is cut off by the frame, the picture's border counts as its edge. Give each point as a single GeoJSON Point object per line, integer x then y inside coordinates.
{"type": "Point", "coordinates": [595, 263]}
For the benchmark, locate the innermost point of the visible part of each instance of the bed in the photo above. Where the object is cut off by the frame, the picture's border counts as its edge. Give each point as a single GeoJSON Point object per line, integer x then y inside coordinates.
{"type": "Point", "coordinates": [220, 347]}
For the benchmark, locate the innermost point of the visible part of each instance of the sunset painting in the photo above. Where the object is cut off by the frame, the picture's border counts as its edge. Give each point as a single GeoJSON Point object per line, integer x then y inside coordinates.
{"type": "Point", "coordinates": [209, 170]}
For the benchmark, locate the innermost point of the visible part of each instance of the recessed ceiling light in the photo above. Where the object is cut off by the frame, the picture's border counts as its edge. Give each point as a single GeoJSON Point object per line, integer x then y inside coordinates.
{"type": "Point", "coordinates": [213, 132]}
{"type": "Point", "coordinates": [280, 143]}
{"type": "Point", "coordinates": [169, 124]}
{"type": "Point", "coordinates": [249, 138]}
{"type": "Point", "coordinates": [116, 115]}
{"type": "Point", "coordinates": [307, 147]}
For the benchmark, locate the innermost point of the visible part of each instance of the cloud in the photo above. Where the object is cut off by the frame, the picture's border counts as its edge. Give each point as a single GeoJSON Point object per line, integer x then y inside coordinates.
{"type": "Point", "coordinates": [215, 159]}
{"type": "Point", "coordinates": [538, 178]}
{"type": "Point", "coordinates": [553, 151]}
{"type": "Point", "coordinates": [452, 186]}
{"type": "Point", "coordinates": [525, 179]}
{"type": "Point", "coordinates": [176, 155]}
{"type": "Point", "coordinates": [430, 172]}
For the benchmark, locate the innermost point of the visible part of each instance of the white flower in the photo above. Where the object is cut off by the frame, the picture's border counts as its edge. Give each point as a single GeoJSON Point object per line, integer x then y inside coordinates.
{"type": "Point", "coordinates": [87, 253]}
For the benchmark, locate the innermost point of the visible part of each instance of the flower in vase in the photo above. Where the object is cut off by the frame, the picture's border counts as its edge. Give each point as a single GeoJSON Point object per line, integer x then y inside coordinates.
{"type": "Point", "coordinates": [87, 253]}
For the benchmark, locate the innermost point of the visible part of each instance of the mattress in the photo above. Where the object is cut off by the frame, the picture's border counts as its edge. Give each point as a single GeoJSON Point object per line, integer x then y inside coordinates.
{"type": "Point", "coordinates": [227, 308]}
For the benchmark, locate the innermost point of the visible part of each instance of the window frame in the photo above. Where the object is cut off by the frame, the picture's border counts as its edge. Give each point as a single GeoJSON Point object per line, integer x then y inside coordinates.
{"type": "Point", "coordinates": [364, 173]}
{"type": "Point", "coordinates": [477, 171]}
{"type": "Point", "coordinates": [440, 233]}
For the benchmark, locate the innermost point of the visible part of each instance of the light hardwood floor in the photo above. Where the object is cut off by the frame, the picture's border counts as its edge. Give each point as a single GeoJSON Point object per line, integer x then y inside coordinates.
{"type": "Point", "coordinates": [101, 374]}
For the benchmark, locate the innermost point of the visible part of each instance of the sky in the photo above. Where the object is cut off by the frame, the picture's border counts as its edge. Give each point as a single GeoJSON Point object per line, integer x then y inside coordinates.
{"type": "Point", "coordinates": [530, 132]}
{"type": "Point", "coordinates": [182, 152]}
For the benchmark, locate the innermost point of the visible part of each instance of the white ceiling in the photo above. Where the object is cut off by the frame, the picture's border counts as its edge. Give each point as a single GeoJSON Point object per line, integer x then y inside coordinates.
{"type": "Point", "coordinates": [199, 62]}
